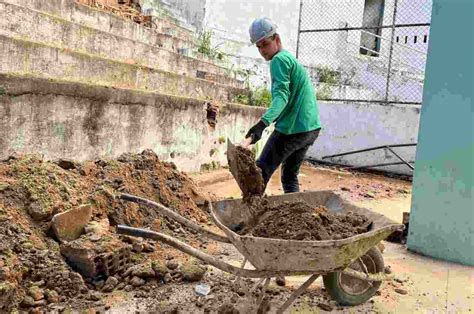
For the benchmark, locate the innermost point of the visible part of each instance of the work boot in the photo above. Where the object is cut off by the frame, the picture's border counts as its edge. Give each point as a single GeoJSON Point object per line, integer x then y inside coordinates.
{"type": "Point", "coordinates": [280, 280]}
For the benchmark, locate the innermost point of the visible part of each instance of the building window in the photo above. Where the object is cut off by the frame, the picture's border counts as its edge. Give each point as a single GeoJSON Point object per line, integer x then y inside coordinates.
{"type": "Point", "coordinates": [372, 19]}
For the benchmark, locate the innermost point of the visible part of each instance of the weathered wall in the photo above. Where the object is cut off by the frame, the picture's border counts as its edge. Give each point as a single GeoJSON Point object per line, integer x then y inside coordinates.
{"type": "Point", "coordinates": [78, 121]}
{"type": "Point", "coordinates": [352, 126]}
{"type": "Point", "coordinates": [82, 122]}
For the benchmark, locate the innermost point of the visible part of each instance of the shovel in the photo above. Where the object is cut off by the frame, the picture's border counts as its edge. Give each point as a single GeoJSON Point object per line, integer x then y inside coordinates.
{"type": "Point", "coordinates": [245, 171]}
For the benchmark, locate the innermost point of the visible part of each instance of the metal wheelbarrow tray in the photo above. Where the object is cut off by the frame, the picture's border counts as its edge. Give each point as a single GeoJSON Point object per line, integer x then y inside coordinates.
{"type": "Point", "coordinates": [348, 258]}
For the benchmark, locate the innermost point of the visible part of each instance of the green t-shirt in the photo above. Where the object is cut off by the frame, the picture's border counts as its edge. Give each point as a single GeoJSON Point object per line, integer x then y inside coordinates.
{"type": "Point", "coordinates": [294, 106]}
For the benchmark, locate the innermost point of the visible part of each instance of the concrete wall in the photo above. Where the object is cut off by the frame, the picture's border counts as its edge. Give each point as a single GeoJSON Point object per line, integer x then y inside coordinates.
{"type": "Point", "coordinates": [77, 121]}
{"type": "Point", "coordinates": [82, 122]}
{"type": "Point", "coordinates": [349, 126]}
{"type": "Point", "coordinates": [442, 213]}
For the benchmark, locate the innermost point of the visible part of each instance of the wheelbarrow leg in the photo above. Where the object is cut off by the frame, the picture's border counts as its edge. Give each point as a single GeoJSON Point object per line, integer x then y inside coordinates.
{"type": "Point", "coordinates": [297, 293]}
{"type": "Point", "coordinates": [264, 289]}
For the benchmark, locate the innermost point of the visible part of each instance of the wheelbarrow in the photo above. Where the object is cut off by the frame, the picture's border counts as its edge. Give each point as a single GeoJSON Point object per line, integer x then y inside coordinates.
{"type": "Point", "coordinates": [352, 268]}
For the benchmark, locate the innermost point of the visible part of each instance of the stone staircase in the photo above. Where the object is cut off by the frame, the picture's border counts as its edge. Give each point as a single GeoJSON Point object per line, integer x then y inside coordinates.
{"type": "Point", "coordinates": [66, 41]}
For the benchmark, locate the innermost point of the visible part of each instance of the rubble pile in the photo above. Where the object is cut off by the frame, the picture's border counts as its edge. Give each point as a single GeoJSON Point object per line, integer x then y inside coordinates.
{"type": "Point", "coordinates": [58, 246]}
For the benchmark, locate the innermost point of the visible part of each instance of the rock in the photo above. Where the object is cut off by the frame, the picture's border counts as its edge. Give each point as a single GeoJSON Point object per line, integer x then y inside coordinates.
{"type": "Point", "coordinates": [127, 239]}
{"type": "Point", "coordinates": [388, 270]}
{"type": "Point", "coordinates": [142, 271]}
{"type": "Point", "coordinates": [137, 247]}
{"type": "Point", "coordinates": [369, 195]}
{"type": "Point", "coordinates": [148, 248]}
{"type": "Point", "coordinates": [159, 268]}
{"type": "Point", "coordinates": [66, 164]}
{"type": "Point", "coordinates": [52, 296]}
{"type": "Point", "coordinates": [241, 292]}
{"type": "Point", "coordinates": [325, 307]}
{"type": "Point", "coordinates": [40, 303]}
{"type": "Point", "coordinates": [280, 280]}
{"type": "Point", "coordinates": [399, 280]}
{"type": "Point", "coordinates": [69, 225]}
{"type": "Point", "coordinates": [345, 189]}
{"type": "Point", "coordinates": [167, 278]}
{"type": "Point", "coordinates": [37, 212]}
{"type": "Point", "coordinates": [28, 301]}
{"type": "Point", "coordinates": [401, 291]}
{"type": "Point", "coordinates": [128, 288]}
{"type": "Point", "coordinates": [229, 309]}
{"type": "Point", "coordinates": [36, 293]}
{"type": "Point", "coordinates": [234, 298]}
{"type": "Point", "coordinates": [137, 281]}
{"type": "Point", "coordinates": [172, 264]}
{"type": "Point", "coordinates": [94, 296]}
{"type": "Point", "coordinates": [99, 284]}
{"type": "Point", "coordinates": [121, 285]}
{"type": "Point", "coordinates": [110, 284]}
{"type": "Point", "coordinates": [192, 272]}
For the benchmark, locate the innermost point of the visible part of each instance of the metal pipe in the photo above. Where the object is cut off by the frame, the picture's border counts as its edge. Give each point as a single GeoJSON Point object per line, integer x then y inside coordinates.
{"type": "Point", "coordinates": [374, 101]}
{"type": "Point", "coordinates": [378, 165]}
{"type": "Point", "coordinates": [361, 28]}
{"type": "Point", "coordinates": [399, 157]}
{"type": "Point", "coordinates": [299, 28]}
{"type": "Point", "coordinates": [171, 214]}
{"type": "Point", "coordinates": [387, 86]}
{"type": "Point", "coordinates": [369, 149]}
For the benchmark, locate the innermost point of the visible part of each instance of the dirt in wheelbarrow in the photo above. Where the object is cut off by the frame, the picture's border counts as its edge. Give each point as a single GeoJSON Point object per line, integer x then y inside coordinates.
{"type": "Point", "coordinates": [300, 221]}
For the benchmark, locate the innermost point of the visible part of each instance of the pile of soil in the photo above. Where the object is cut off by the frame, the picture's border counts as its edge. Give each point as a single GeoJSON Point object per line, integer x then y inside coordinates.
{"type": "Point", "coordinates": [300, 221]}
{"type": "Point", "coordinates": [34, 274]}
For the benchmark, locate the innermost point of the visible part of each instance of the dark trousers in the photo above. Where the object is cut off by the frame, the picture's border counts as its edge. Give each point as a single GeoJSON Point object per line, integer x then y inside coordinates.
{"type": "Point", "coordinates": [288, 150]}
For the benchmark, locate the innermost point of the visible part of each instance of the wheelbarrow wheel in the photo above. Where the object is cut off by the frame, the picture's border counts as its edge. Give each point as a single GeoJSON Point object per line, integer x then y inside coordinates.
{"type": "Point", "coordinates": [348, 290]}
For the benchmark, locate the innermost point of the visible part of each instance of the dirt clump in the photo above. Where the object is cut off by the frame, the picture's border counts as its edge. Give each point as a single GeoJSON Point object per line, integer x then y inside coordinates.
{"type": "Point", "coordinates": [247, 174]}
{"type": "Point", "coordinates": [300, 221]}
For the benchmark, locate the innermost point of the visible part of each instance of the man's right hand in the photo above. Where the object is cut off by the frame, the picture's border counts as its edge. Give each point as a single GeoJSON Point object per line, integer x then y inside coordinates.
{"type": "Point", "coordinates": [255, 132]}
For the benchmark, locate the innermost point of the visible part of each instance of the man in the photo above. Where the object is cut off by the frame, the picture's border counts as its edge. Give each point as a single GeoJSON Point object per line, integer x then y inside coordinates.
{"type": "Point", "coordinates": [294, 109]}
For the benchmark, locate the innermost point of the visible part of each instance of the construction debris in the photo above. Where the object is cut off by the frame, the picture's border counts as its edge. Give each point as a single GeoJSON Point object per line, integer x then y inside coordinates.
{"type": "Point", "coordinates": [128, 9]}
{"type": "Point", "coordinates": [41, 202]}
{"type": "Point", "coordinates": [69, 226]}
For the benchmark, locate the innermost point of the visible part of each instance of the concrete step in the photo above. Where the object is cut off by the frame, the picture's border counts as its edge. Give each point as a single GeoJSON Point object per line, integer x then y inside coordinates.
{"type": "Point", "coordinates": [22, 57]}
{"type": "Point", "coordinates": [108, 22]}
{"type": "Point", "coordinates": [22, 22]}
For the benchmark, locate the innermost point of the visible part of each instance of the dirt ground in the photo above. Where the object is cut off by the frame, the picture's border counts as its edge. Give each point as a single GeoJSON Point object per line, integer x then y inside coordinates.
{"type": "Point", "coordinates": [431, 286]}
{"type": "Point", "coordinates": [35, 276]}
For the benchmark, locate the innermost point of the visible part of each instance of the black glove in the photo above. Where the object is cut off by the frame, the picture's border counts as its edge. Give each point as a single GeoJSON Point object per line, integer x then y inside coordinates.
{"type": "Point", "coordinates": [256, 131]}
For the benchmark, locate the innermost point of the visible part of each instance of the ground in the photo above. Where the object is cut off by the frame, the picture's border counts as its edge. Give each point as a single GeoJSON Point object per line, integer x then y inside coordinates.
{"type": "Point", "coordinates": [32, 261]}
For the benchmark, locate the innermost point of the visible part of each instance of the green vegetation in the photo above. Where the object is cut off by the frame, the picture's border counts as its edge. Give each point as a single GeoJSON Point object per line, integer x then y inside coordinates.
{"type": "Point", "coordinates": [205, 46]}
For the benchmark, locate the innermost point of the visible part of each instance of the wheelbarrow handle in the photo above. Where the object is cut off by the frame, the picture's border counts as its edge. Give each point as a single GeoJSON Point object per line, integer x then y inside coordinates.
{"type": "Point", "coordinates": [171, 214]}
{"type": "Point", "coordinates": [183, 247]}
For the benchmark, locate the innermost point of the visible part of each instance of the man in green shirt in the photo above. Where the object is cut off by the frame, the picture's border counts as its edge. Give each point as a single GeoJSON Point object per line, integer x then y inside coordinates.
{"type": "Point", "coordinates": [294, 109]}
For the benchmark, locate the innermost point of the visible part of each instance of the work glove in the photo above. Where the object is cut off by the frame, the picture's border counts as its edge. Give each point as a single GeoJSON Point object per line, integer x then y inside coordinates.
{"type": "Point", "coordinates": [256, 131]}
